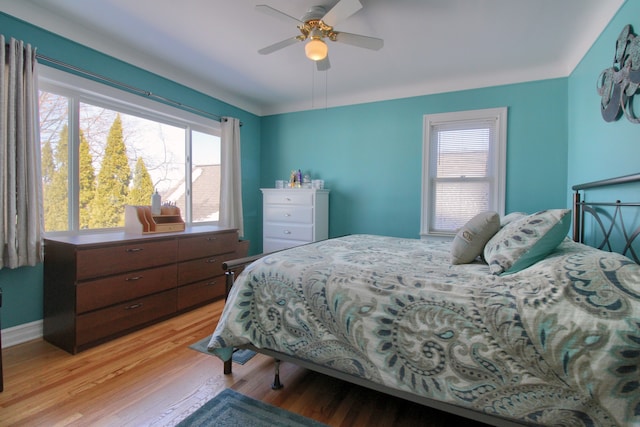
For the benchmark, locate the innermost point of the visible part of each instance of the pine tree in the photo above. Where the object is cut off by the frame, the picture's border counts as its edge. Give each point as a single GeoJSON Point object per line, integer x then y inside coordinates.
{"type": "Point", "coordinates": [142, 189]}
{"type": "Point", "coordinates": [87, 182]}
{"type": "Point", "coordinates": [56, 193]}
{"type": "Point", "coordinates": [48, 172]}
{"type": "Point", "coordinates": [48, 165]}
{"type": "Point", "coordinates": [112, 185]}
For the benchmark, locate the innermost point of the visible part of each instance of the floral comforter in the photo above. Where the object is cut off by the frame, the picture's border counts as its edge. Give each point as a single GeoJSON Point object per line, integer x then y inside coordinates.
{"type": "Point", "coordinates": [557, 343]}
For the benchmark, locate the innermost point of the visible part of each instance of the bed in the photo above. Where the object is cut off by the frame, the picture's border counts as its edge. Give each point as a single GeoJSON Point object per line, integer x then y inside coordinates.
{"type": "Point", "coordinates": [510, 324]}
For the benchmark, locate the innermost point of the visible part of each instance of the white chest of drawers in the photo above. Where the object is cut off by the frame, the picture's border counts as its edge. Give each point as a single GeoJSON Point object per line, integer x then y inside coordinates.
{"type": "Point", "coordinates": [293, 217]}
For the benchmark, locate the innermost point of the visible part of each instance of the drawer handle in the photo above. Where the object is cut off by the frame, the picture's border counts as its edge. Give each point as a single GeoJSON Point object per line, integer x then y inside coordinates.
{"type": "Point", "coordinates": [134, 306]}
{"type": "Point", "coordinates": [287, 199]}
{"type": "Point", "coordinates": [212, 238]}
{"type": "Point", "coordinates": [286, 232]}
{"type": "Point", "coordinates": [134, 249]}
{"type": "Point", "coordinates": [287, 214]}
{"type": "Point", "coordinates": [210, 260]}
{"type": "Point", "coordinates": [134, 278]}
{"type": "Point", "coordinates": [211, 283]}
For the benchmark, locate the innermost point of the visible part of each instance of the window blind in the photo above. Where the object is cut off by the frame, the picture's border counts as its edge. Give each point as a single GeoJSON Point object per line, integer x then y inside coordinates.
{"type": "Point", "coordinates": [461, 172]}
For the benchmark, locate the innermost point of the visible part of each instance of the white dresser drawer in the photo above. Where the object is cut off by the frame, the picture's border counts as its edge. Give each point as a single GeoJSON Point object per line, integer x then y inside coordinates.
{"type": "Point", "coordinates": [293, 197]}
{"type": "Point", "coordinates": [293, 214]}
{"type": "Point", "coordinates": [272, 245]}
{"type": "Point", "coordinates": [286, 231]}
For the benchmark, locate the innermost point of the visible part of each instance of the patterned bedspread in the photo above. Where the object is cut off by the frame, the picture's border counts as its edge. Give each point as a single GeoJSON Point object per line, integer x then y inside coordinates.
{"type": "Point", "coordinates": [557, 343]}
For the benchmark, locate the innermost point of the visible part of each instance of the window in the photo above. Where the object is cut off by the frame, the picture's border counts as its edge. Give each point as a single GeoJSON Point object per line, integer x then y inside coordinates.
{"type": "Point", "coordinates": [464, 163]}
{"type": "Point", "coordinates": [103, 148]}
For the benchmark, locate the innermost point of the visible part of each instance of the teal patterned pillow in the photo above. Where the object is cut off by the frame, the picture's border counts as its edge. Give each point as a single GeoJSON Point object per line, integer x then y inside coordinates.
{"type": "Point", "coordinates": [513, 216]}
{"type": "Point", "coordinates": [526, 241]}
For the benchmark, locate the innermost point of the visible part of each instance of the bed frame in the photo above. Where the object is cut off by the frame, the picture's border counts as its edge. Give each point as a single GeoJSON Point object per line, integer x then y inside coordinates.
{"type": "Point", "coordinates": [607, 215]}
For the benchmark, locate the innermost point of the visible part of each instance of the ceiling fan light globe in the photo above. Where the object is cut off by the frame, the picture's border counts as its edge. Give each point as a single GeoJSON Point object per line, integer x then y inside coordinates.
{"type": "Point", "coordinates": [316, 50]}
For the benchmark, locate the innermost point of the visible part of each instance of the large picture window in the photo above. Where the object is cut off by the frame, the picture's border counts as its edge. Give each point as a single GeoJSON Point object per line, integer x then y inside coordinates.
{"type": "Point", "coordinates": [464, 163]}
{"type": "Point", "coordinates": [103, 148]}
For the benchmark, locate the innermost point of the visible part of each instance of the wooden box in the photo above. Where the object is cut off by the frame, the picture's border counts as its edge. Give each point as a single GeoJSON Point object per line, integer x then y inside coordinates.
{"type": "Point", "coordinates": [139, 219]}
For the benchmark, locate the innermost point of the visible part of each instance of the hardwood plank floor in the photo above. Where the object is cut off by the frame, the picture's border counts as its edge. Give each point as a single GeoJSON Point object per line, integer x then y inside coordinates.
{"type": "Point", "coordinates": [152, 378]}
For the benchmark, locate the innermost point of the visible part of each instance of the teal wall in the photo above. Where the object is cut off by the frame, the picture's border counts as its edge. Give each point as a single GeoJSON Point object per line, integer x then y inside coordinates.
{"type": "Point", "coordinates": [597, 149]}
{"type": "Point", "coordinates": [370, 155]}
{"type": "Point", "coordinates": [22, 288]}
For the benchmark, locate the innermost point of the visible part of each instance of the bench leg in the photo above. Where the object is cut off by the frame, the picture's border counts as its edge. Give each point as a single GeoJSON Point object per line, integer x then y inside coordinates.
{"type": "Point", "coordinates": [229, 276]}
{"type": "Point", "coordinates": [277, 385]}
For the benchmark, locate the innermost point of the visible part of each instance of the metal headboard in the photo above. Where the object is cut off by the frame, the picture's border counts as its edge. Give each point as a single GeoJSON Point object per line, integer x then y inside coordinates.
{"type": "Point", "coordinates": [606, 219]}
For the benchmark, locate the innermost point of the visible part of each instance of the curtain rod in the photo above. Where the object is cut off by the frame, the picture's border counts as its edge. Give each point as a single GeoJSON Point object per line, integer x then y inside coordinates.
{"type": "Point", "coordinates": [130, 88]}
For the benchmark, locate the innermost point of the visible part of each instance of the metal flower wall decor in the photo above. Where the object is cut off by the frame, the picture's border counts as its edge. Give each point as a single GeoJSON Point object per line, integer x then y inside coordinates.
{"type": "Point", "coordinates": [618, 84]}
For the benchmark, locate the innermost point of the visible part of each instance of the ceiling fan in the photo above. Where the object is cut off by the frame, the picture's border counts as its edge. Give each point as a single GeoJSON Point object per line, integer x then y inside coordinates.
{"type": "Point", "coordinates": [316, 26]}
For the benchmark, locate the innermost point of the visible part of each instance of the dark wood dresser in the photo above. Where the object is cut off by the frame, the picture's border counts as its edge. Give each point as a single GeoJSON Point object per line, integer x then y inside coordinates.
{"type": "Point", "coordinates": [104, 285]}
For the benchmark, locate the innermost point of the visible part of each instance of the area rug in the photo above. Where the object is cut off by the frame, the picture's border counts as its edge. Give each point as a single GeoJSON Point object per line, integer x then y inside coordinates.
{"type": "Point", "coordinates": [240, 356]}
{"type": "Point", "coordinates": [230, 408]}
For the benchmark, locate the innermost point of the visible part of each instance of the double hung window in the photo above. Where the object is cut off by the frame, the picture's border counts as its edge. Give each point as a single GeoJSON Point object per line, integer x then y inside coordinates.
{"type": "Point", "coordinates": [464, 162]}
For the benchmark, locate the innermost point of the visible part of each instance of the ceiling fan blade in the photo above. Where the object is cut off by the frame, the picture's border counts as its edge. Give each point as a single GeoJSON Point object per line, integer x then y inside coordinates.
{"type": "Point", "coordinates": [277, 14]}
{"type": "Point", "coordinates": [366, 42]}
{"type": "Point", "coordinates": [341, 11]}
{"type": "Point", "coordinates": [277, 46]}
{"type": "Point", "coordinates": [323, 64]}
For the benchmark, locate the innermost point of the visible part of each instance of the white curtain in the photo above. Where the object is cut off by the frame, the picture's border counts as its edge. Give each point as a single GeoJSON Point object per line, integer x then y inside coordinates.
{"type": "Point", "coordinates": [231, 176]}
{"type": "Point", "coordinates": [21, 220]}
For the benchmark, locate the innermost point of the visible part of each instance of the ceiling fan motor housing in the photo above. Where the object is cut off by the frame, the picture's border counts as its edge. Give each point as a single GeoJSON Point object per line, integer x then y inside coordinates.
{"type": "Point", "coordinates": [314, 13]}
{"type": "Point", "coordinates": [313, 27]}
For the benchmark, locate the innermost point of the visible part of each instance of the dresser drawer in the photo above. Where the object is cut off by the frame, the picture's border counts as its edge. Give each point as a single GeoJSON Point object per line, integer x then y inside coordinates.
{"type": "Point", "coordinates": [289, 231]}
{"type": "Point", "coordinates": [293, 214]}
{"type": "Point", "coordinates": [272, 245]}
{"type": "Point", "coordinates": [99, 293]}
{"type": "Point", "coordinates": [202, 268]}
{"type": "Point", "coordinates": [289, 198]}
{"type": "Point", "coordinates": [206, 245]}
{"type": "Point", "coordinates": [117, 259]}
{"type": "Point", "coordinates": [200, 292]}
{"type": "Point", "coordinates": [103, 323]}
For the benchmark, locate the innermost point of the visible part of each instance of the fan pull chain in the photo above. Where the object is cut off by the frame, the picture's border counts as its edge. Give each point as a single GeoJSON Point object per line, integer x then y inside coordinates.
{"type": "Point", "coordinates": [326, 89]}
{"type": "Point", "coordinates": [313, 87]}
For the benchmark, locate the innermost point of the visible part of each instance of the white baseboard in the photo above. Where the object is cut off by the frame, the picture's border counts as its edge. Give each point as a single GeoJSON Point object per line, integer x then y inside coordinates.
{"type": "Point", "coordinates": [21, 333]}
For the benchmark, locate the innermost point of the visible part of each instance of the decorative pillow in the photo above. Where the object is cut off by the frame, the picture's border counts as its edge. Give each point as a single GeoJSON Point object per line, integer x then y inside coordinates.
{"type": "Point", "coordinates": [471, 238]}
{"type": "Point", "coordinates": [507, 219]}
{"type": "Point", "coordinates": [526, 241]}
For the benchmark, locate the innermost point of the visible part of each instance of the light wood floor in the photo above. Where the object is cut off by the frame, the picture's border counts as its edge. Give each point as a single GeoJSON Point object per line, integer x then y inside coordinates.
{"type": "Point", "coordinates": [152, 378]}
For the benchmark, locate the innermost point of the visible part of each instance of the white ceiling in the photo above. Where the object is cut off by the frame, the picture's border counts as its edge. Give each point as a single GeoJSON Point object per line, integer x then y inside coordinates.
{"type": "Point", "coordinates": [430, 46]}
